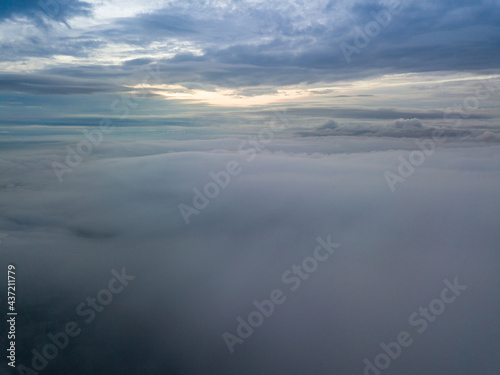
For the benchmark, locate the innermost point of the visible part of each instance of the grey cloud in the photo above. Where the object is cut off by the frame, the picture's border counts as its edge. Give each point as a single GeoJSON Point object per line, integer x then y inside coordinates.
{"type": "Point", "coordinates": [408, 124]}
{"type": "Point", "coordinates": [488, 136]}
{"type": "Point", "coordinates": [137, 62]}
{"type": "Point", "coordinates": [255, 40]}
{"type": "Point", "coordinates": [39, 84]}
{"type": "Point", "coordinates": [401, 128]}
{"type": "Point", "coordinates": [330, 124]}
{"type": "Point", "coordinates": [374, 113]}
{"type": "Point", "coordinates": [42, 9]}
{"type": "Point", "coordinates": [192, 282]}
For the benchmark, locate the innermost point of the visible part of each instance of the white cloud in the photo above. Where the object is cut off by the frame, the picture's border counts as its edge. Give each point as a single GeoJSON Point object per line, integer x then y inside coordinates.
{"type": "Point", "coordinates": [120, 208]}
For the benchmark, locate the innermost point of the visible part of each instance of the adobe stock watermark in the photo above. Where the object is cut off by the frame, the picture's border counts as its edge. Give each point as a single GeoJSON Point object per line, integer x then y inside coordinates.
{"type": "Point", "coordinates": [221, 179]}
{"type": "Point", "coordinates": [427, 147]}
{"type": "Point", "coordinates": [94, 137]}
{"type": "Point", "coordinates": [293, 277]}
{"type": "Point", "coordinates": [419, 321]}
{"type": "Point", "coordinates": [86, 310]}
{"type": "Point", "coordinates": [363, 37]}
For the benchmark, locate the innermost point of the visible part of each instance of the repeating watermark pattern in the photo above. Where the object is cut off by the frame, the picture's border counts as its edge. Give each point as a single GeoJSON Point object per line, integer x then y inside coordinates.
{"type": "Point", "coordinates": [219, 180]}
{"type": "Point", "coordinates": [94, 137]}
{"type": "Point", "coordinates": [427, 147]}
{"type": "Point", "coordinates": [362, 37]}
{"type": "Point", "coordinates": [87, 310]}
{"type": "Point", "coordinates": [419, 321]}
{"type": "Point", "coordinates": [292, 277]}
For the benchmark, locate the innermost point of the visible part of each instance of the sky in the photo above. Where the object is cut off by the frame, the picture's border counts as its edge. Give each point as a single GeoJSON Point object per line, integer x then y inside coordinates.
{"type": "Point", "coordinates": [220, 64]}
{"type": "Point", "coordinates": [338, 161]}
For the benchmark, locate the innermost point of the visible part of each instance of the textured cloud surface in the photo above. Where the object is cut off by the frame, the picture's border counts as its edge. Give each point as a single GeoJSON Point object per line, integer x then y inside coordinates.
{"type": "Point", "coordinates": [120, 208]}
{"type": "Point", "coordinates": [355, 232]}
{"type": "Point", "coordinates": [250, 53]}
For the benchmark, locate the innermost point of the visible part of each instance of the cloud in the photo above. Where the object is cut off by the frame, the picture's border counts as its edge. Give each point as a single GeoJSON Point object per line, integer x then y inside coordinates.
{"type": "Point", "coordinates": [401, 128]}
{"type": "Point", "coordinates": [120, 209]}
{"type": "Point", "coordinates": [408, 124]}
{"type": "Point", "coordinates": [43, 9]}
{"type": "Point", "coordinates": [41, 84]}
{"type": "Point", "coordinates": [351, 123]}
{"type": "Point", "coordinates": [375, 113]}
{"type": "Point", "coordinates": [258, 38]}
{"type": "Point", "coordinates": [329, 125]}
{"type": "Point", "coordinates": [488, 136]}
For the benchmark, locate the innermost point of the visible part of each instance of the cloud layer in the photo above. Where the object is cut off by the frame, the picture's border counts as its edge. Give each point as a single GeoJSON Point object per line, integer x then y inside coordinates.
{"type": "Point", "coordinates": [365, 84]}
{"type": "Point", "coordinates": [120, 209]}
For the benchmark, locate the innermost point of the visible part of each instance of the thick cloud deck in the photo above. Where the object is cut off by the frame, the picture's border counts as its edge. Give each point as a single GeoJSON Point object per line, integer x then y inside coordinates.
{"type": "Point", "coordinates": [119, 208]}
